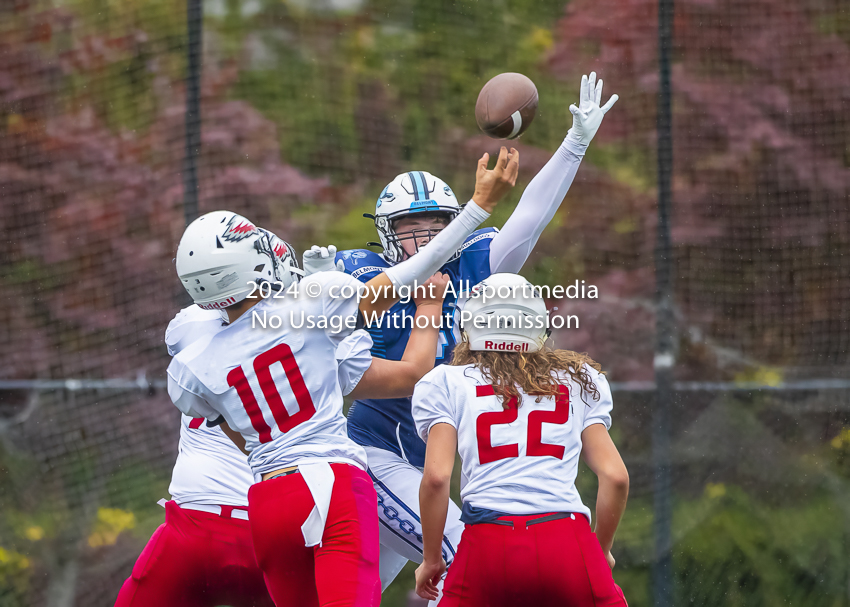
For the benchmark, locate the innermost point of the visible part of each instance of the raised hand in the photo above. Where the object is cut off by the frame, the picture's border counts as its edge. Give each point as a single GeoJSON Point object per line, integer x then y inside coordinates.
{"type": "Point", "coordinates": [588, 115]}
{"type": "Point", "coordinates": [321, 259]}
{"type": "Point", "coordinates": [492, 185]}
{"type": "Point", "coordinates": [432, 291]}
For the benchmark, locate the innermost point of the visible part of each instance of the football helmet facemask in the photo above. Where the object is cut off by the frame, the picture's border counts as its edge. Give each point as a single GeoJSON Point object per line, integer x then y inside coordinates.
{"type": "Point", "coordinates": [410, 193]}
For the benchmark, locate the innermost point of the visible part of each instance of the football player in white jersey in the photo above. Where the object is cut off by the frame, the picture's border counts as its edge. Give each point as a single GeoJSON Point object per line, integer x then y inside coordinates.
{"type": "Point", "coordinates": [409, 212]}
{"type": "Point", "coordinates": [270, 378]}
{"type": "Point", "coordinates": [202, 555]}
{"type": "Point", "coordinates": [519, 414]}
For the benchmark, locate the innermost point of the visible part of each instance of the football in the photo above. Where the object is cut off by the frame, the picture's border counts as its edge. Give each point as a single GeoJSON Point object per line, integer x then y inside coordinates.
{"type": "Point", "coordinates": [506, 105]}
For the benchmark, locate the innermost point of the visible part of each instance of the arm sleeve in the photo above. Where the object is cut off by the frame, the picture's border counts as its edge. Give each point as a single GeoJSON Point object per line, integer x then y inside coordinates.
{"type": "Point", "coordinates": [431, 405]}
{"type": "Point", "coordinates": [535, 209]}
{"type": "Point", "coordinates": [354, 357]}
{"type": "Point", "coordinates": [599, 411]}
{"type": "Point", "coordinates": [432, 256]}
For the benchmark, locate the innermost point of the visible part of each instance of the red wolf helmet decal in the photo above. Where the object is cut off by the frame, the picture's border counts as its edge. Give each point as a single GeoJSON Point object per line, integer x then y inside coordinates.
{"type": "Point", "coordinates": [280, 249]}
{"type": "Point", "coordinates": [238, 228]}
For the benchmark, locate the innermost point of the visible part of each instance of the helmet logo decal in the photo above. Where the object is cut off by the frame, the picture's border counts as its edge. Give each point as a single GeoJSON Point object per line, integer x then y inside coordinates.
{"type": "Point", "coordinates": [238, 229]}
{"type": "Point", "coordinates": [280, 250]}
{"type": "Point", "coordinates": [218, 305]}
{"type": "Point", "coordinates": [506, 346]}
{"type": "Point", "coordinates": [386, 196]}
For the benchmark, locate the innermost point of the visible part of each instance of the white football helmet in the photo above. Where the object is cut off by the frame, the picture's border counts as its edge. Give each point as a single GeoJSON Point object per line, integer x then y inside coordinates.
{"type": "Point", "coordinates": [221, 253]}
{"type": "Point", "coordinates": [412, 192]}
{"type": "Point", "coordinates": [286, 259]}
{"type": "Point", "coordinates": [505, 313]}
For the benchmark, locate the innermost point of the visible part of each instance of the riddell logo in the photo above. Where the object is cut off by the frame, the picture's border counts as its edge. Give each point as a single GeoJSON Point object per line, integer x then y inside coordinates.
{"type": "Point", "coordinates": [218, 305]}
{"type": "Point", "coordinates": [238, 228]}
{"type": "Point", "coordinates": [506, 345]}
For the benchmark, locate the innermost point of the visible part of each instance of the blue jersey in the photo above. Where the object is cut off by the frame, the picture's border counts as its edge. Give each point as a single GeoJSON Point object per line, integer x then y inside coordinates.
{"type": "Point", "coordinates": [388, 423]}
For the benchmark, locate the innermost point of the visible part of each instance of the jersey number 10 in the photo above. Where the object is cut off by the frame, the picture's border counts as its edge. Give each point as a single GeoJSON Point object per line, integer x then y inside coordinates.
{"type": "Point", "coordinates": [535, 447]}
{"type": "Point", "coordinates": [262, 364]}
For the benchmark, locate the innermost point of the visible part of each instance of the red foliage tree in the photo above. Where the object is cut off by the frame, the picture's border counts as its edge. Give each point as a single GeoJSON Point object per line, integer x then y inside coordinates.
{"type": "Point", "coordinates": [761, 223]}
{"type": "Point", "coordinates": [93, 213]}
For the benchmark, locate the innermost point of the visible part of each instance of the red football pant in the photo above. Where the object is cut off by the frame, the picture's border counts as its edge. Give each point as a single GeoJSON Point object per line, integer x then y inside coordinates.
{"type": "Point", "coordinates": [343, 571]}
{"type": "Point", "coordinates": [196, 559]}
{"type": "Point", "coordinates": [558, 563]}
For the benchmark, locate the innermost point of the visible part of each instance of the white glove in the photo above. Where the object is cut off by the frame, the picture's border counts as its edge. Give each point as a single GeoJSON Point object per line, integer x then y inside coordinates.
{"type": "Point", "coordinates": [321, 259]}
{"type": "Point", "coordinates": [588, 115]}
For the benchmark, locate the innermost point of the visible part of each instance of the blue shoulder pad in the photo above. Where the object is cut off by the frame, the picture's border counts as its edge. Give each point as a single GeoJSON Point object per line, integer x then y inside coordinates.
{"type": "Point", "coordinates": [362, 264]}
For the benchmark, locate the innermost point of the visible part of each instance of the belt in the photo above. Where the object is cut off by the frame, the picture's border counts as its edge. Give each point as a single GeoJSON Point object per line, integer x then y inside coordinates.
{"type": "Point", "coordinates": [295, 470]}
{"type": "Point", "coordinates": [287, 473]}
{"type": "Point", "coordinates": [240, 512]}
{"type": "Point", "coordinates": [543, 519]}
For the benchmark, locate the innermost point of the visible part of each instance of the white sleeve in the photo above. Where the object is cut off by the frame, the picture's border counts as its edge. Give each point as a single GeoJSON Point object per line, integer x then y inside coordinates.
{"type": "Point", "coordinates": [599, 411]}
{"type": "Point", "coordinates": [535, 209]}
{"type": "Point", "coordinates": [188, 402]}
{"type": "Point", "coordinates": [432, 256]}
{"type": "Point", "coordinates": [353, 357]}
{"type": "Point", "coordinates": [431, 405]}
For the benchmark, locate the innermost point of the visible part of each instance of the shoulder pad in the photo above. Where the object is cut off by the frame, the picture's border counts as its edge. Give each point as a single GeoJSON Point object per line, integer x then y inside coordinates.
{"type": "Point", "coordinates": [189, 324]}
{"type": "Point", "coordinates": [362, 264]}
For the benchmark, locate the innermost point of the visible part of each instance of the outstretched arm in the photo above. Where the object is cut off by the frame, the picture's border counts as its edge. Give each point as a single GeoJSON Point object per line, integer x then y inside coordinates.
{"type": "Point", "coordinates": [543, 196]}
{"type": "Point", "coordinates": [396, 378]}
{"type": "Point", "coordinates": [490, 187]}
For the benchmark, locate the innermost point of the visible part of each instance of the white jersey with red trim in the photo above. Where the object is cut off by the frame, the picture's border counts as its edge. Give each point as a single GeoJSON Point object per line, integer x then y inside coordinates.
{"type": "Point", "coordinates": [210, 469]}
{"type": "Point", "coordinates": [279, 386]}
{"type": "Point", "coordinates": [517, 460]}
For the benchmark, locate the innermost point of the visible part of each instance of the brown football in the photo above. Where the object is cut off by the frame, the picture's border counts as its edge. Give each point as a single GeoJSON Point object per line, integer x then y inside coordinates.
{"type": "Point", "coordinates": [506, 105]}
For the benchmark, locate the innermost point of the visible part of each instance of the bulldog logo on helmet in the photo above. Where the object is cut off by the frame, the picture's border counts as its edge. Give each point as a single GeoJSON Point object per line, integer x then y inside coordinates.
{"type": "Point", "coordinates": [238, 229]}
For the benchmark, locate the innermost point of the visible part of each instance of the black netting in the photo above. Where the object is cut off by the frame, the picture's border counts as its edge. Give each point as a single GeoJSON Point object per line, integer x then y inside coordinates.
{"type": "Point", "coordinates": [308, 109]}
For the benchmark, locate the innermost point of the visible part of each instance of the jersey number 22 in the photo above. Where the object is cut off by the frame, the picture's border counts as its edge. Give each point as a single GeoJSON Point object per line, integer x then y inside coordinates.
{"type": "Point", "coordinates": [535, 447]}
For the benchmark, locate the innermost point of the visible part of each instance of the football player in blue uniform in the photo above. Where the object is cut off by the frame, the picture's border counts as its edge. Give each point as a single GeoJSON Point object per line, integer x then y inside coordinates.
{"type": "Point", "coordinates": [409, 212]}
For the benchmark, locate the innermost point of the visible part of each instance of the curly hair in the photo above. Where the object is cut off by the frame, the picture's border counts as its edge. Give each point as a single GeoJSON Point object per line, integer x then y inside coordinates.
{"type": "Point", "coordinates": [532, 372]}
